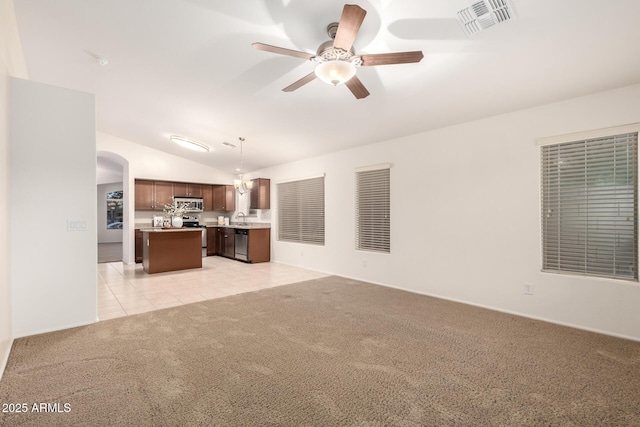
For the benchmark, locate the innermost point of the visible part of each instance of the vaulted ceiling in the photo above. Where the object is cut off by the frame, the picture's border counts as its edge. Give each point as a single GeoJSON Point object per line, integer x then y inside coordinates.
{"type": "Point", "coordinates": [187, 67]}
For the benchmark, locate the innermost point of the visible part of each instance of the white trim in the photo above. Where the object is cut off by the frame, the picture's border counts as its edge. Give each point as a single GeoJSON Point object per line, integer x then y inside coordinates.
{"type": "Point", "coordinates": [516, 313]}
{"type": "Point", "coordinates": [460, 301]}
{"type": "Point", "coordinates": [374, 167]}
{"type": "Point", "coordinates": [589, 134]}
{"type": "Point", "coordinates": [284, 181]}
{"type": "Point", "coordinates": [5, 358]}
{"type": "Point", "coordinates": [56, 329]}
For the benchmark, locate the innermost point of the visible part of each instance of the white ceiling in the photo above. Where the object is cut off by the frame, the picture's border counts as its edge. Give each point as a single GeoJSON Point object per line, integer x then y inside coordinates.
{"type": "Point", "coordinates": [187, 67]}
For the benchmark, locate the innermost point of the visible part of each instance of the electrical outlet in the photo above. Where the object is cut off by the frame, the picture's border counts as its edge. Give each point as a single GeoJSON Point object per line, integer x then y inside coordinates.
{"type": "Point", "coordinates": [528, 288]}
{"type": "Point", "coordinates": [364, 262]}
{"type": "Point", "coordinates": [301, 253]}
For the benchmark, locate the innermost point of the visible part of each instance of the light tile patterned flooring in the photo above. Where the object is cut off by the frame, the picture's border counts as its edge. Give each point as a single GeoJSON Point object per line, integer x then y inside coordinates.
{"type": "Point", "coordinates": [126, 289]}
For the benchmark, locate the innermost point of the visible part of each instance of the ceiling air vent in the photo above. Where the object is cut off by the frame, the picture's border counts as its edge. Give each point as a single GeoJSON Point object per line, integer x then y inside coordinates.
{"type": "Point", "coordinates": [484, 14]}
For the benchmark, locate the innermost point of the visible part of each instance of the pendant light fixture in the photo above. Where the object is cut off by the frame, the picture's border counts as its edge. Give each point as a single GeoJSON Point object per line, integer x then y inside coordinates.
{"type": "Point", "coordinates": [239, 183]}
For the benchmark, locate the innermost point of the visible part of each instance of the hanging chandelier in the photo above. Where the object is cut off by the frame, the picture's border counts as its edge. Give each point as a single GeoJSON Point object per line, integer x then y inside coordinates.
{"type": "Point", "coordinates": [241, 185]}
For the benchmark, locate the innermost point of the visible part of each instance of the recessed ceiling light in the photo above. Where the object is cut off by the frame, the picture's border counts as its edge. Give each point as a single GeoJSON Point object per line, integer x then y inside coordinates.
{"type": "Point", "coordinates": [228, 144]}
{"type": "Point", "coordinates": [189, 143]}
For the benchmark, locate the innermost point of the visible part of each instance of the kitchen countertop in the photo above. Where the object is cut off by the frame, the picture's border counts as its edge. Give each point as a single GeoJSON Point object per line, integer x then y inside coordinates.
{"type": "Point", "coordinates": [168, 230]}
{"type": "Point", "coordinates": [236, 225]}
{"type": "Point", "coordinates": [148, 227]}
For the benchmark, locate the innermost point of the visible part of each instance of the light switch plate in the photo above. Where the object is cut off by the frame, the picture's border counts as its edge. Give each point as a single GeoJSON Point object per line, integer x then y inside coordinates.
{"type": "Point", "coordinates": [76, 225]}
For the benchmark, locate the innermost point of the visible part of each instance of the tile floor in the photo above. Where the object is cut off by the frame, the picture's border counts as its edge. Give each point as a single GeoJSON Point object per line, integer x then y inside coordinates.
{"type": "Point", "coordinates": [127, 289]}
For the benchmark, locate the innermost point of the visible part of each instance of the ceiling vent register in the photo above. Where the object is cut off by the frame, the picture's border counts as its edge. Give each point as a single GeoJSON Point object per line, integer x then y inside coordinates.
{"type": "Point", "coordinates": [484, 14]}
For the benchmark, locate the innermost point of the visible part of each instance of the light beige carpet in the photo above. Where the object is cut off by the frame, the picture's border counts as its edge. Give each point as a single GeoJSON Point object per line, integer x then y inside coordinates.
{"type": "Point", "coordinates": [327, 352]}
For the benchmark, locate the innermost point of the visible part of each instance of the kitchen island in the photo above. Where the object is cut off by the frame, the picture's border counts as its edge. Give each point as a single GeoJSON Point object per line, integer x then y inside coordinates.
{"type": "Point", "coordinates": [171, 249]}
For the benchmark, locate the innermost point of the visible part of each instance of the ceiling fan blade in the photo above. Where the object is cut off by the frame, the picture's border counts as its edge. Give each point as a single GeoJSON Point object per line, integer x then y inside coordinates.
{"type": "Point", "coordinates": [391, 58]}
{"type": "Point", "coordinates": [357, 88]}
{"type": "Point", "coordinates": [298, 84]}
{"type": "Point", "coordinates": [350, 21]}
{"type": "Point", "coordinates": [282, 51]}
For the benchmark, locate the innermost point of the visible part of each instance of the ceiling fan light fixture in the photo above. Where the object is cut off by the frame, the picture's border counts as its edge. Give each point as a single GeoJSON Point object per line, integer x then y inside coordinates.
{"type": "Point", "coordinates": [189, 143]}
{"type": "Point", "coordinates": [335, 72]}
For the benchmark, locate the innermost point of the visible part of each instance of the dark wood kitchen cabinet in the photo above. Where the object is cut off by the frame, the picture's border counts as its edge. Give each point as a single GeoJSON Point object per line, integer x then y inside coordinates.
{"type": "Point", "coordinates": [212, 240]}
{"type": "Point", "coordinates": [185, 189]}
{"type": "Point", "coordinates": [260, 194]}
{"type": "Point", "coordinates": [224, 197]}
{"type": "Point", "coordinates": [163, 194]}
{"type": "Point", "coordinates": [229, 235]}
{"type": "Point", "coordinates": [225, 242]}
{"type": "Point", "coordinates": [143, 194]}
{"type": "Point", "coordinates": [219, 243]}
{"type": "Point", "coordinates": [152, 195]}
{"type": "Point", "coordinates": [138, 245]}
{"type": "Point", "coordinates": [207, 197]}
{"type": "Point", "coordinates": [259, 245]}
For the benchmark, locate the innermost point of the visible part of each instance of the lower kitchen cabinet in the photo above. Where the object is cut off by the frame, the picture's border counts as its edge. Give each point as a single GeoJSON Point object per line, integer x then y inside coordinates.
{"type": "Point", "coordinates": [138, 246]}
{"type": "Point", "coordinates": [221, 242]}
{"type": "Point", "coordinates": [224, 241]}
{"type": "Point", "coordinates": [212, 238]}
{"type": "Point", "coordinates": [229, 244]}
{"type": "Point", "coordinates": [259, 245]}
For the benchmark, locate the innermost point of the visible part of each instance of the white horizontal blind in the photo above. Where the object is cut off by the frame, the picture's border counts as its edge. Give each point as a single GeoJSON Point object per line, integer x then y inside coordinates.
{"type": "Point", "coordinates": [373, 210]}
{"type": "Point", "coordinates": [301, 211]}
{"type": "Point", "coordinates": [590, 206]}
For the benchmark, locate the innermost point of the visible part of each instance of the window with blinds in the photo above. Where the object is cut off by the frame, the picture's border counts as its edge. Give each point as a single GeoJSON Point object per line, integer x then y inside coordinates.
{"type": "Point", "coordinates": [301, 211]}
{"type": "Point", "coordinates": [590, 206]}
{"type": "Point", "coordinates": [373, 208]}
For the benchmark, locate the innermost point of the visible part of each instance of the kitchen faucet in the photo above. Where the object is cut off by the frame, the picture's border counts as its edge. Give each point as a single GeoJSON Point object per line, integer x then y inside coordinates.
{"type": "Point", "coordinates": [244, 217]}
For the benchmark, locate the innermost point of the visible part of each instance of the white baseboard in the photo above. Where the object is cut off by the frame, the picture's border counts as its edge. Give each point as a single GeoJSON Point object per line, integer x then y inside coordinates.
{"type": "Point", "coordinates": [61, 328]}
{"type": "Point", "coordinates": [543, 319]}
{"type": "Point", "coordinates": [515, 313]}
{"type": "Point", "coordinates": [5, 358]}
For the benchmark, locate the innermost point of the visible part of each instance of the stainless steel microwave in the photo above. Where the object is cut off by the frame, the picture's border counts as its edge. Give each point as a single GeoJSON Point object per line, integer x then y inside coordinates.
{"type": "Point", "coordinates": [193, 204]}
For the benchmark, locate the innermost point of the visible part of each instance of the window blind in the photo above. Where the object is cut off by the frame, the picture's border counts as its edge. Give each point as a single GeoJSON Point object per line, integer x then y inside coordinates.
{"type": "Point", "coordinates": [590, 206]}
{"type": "Point", "coordinates": [373, 209]}
{"type": "Point", "coordinates": [301, 211]}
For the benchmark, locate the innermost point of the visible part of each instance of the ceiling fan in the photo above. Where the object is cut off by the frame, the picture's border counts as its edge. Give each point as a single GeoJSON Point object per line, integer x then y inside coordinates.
{"type": "Point", "coordinates": [336, 58]}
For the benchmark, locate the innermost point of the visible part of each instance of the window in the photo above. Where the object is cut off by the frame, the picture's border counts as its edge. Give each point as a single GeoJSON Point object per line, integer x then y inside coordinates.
{"type": "Point", "coordinates": [301, 211]}
{"type": "Point", "coordinates": [373, 208]}
{"type": "Point", "coordinates": [114, 210]}
{"type": "Point", "coordinates": [590, 205]}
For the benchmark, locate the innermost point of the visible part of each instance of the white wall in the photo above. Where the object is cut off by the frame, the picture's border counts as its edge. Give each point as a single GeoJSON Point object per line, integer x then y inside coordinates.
{"type": "Point", "coordinates": [465, 212]}
{"type": "Point", "coordinates": [107, 235]}
{"type": "Point", "coordinates": [53, 158]}
{"type": "Point", "coordinates": [11, 64]}
{"type": "Point", "coordinates": [147, 163]}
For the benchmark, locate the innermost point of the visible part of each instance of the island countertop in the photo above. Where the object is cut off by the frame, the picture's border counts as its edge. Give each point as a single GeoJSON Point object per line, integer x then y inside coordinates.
{"type": "Point", "coordinates": [169, 230]}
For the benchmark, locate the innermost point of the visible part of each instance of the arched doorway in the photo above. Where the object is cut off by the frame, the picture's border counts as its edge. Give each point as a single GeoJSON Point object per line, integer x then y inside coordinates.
{"type": "Point", "coordinates": [112, 175]}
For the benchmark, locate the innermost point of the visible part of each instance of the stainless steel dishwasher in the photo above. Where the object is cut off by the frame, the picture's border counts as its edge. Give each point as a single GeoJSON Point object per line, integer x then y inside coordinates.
{"type": "Point", "coordinates": [242, 238]}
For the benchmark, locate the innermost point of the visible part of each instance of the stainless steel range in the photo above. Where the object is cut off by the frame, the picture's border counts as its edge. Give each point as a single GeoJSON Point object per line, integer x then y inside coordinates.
{"type": "Point", "coordinates": [193, 221]}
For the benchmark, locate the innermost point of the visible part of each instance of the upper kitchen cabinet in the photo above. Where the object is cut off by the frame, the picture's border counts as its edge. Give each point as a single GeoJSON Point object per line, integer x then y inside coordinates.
{"type": "Point", "coordinates": [260, 194]}
{"type": "Point", "coordinates": [163, 193]}
{"type": "Point", "coordinates": [144, 194]}
{"type": "Point", "coordinates": [152, 195]}
{"type": "Point", "coordinates": [224, 197]}
{"type": "Point", "coordinates": [207, 197]}
{"type": "Point", "coordinates": [183, 189]}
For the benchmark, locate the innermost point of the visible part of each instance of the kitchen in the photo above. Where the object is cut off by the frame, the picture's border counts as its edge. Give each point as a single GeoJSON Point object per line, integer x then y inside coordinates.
{"type": "Point", "coordinates": [164, 208]}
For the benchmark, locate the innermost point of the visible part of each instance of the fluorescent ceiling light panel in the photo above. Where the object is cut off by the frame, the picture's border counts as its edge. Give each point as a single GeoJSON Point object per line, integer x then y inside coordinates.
{"type": "Point", "coordinates": [189, 143]}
